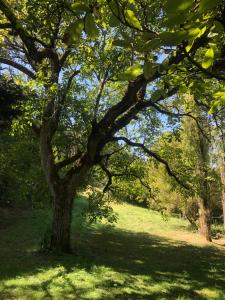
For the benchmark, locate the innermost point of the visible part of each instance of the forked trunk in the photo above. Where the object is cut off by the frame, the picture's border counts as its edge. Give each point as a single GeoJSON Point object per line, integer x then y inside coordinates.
{"type": "Point", "coordinates": [61, 225]}
{"type": "Point", "coordinates": [204, 220]}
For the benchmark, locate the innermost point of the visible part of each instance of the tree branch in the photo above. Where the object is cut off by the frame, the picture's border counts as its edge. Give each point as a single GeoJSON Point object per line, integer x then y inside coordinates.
{"type": "Point", "coordinates": [205, 71]}
{"type": "Point", "coordinates": [127, 117]}
{"type": "Point", "coordinates": [17, 66]}
{"type": "Point", "coordinates": [125, 174]}
{"type": "Point", "coordinates": [64, 57]}
{"type": "Point", "coordinates": [27, 40]}
{"type": "Point", "coordinates": [129, 99]}
{"type": "Point", "coordinates": [99, 95]}
{"type": "Point", "coordinates": [109, 175]}
{"type": "Point", "coordinates": [5, 26]}
{"type": "Point", "coordinates": [180, 115]}
{"type": "Point", "coordinates": [68, 160]}
{"type": "Point", "coordinates": [69, 83]}
{"type": "Point", "coordinates": [152, 154]}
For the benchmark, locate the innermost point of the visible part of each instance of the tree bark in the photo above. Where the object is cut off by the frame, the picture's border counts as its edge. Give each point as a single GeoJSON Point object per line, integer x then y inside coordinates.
{"type": "Point", "coordinates": [222, 176]}
{"type": "Point", "coordinates": [204, 220]}
{"type": "Point", "coordinates": [223, 205]}
{"type": "Point", "coordinates": [62, 198]}
{"type": "Point", "coordinates": [61, 224]}
{"type": "Point", "coordinates": [204, 197]}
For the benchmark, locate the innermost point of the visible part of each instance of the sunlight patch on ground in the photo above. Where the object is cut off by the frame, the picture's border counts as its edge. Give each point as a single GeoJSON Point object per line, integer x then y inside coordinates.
{"type": "Point", "coordinates": [143, 256]}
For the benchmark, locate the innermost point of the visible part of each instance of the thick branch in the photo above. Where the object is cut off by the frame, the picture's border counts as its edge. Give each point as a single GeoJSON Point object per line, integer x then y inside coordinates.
{"type": "Point", "coordinates": [126, 118]}
{"type": "Point", "coordinates": [68, 160]}
{"type": "Point", "coordinates": [5, 26]}
{"type": "Point", "coordinates": [17, 66]}
{"type": "Point", "coordinates": [129, 99]}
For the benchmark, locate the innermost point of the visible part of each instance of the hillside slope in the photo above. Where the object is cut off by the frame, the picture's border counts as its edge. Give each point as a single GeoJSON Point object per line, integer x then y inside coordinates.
{"type": "Point", "coordinates": [141, 257]}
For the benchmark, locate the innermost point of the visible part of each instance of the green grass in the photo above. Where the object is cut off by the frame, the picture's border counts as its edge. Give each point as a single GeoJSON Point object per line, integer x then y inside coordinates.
{"type": "Point", "coordinates": [141, 257]}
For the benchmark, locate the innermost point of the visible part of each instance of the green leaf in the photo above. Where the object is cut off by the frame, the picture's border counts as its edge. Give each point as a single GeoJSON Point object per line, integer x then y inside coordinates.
{"type": "Point", "coordinates": [148, 36]}
{"type": "Point", "coordinates": [121, 43]}
{"type": "Point", "coordinates": [157, 94]}
{"type": "Point", "coordinates": [132, 19]}
{"type": "Point", "coordinates": [205, 5]}
{"type": "Point", "coordinates": [153, 44]}
{"type": "Point", "coordinates": [218, 27]}
{"type": "Point", "coordinates": [73, 32]}
{"type": "Point", "coordinates": [113, 21]}
{"type": "Point", "coordinates": [131, 73]}
{"type": "Point", "coordinates": [148, 69]}
{"type": "Point", "coordinates": [220, 95]}
{"type": "Point", "coordinates": [90, 26]}
{"type": "Point", "coordinates": [79, 7]}
{"type": "Point", "coordinates": [219, 101]}
{"type": "Point", "coordinates": [174, 6]}
{"type": "Point", "coordinates": [216, 105]}
{"type": "Point", "coordinates": [189, 46]}
{"type": "Point", "coordinates": [173, 20]}
{"type": "Point", "coordinates": [208, 58]}
{"type": "Point", "coordinates": [193, 33]}
{"type": "Point", "coordinates": [172, 38]}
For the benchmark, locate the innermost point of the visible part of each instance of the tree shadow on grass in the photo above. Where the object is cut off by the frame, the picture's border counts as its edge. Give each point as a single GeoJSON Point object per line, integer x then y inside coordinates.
{"type": "Point", "coordinates": [117, 264]}
{"type": "Point", "coordinates": [185, 267]}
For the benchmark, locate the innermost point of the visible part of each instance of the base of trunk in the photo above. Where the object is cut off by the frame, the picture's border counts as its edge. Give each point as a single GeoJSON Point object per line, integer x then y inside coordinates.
{"type": "Point", "coordinates": [60, 246]}
{"type": "Point", "coordinates": [61, 225]}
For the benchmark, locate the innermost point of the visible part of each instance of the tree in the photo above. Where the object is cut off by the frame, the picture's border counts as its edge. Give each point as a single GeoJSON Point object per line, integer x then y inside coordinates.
{"type": "Point", "coordinates": [194, 151]}
{"type": "Point", "coordinates": [220, 153]}
{"type": "Point", "coordinates": [97, 44]}
{"type": "Point", "coordinates": [195, 147]}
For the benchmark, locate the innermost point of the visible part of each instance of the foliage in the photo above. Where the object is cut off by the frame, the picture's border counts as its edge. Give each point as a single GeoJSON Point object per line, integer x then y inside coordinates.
{"type": "Point", "coordinates": [11, 96]}
{"type": "Point", "coordinates": [21, 178]}
{"type": "Point", "coordinates": [99, 208]}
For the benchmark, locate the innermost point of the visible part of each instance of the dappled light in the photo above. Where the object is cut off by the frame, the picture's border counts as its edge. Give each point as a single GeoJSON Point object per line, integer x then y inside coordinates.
{"type": "Point", "coordinates": [112, 149]}
{"type": "Point", "coordinates": [113, 263]}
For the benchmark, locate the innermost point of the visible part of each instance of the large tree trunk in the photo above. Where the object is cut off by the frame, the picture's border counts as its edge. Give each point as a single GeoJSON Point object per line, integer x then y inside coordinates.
{"type": "Point", "coordinates": [204, 220]}
{"type": "Point", "coordinates": [222, 177]}
{"type": "Point", "coordinates": [61, 224]}
{"type": "Point", "coordinates": [62, 199]}
{"type": "Point", "coordinates": [204, 197]}
{"type": "Point", "coordinates": [223, 205]}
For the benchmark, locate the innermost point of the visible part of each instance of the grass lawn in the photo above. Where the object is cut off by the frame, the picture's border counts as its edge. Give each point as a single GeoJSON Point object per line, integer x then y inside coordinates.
{"type": "Point", "coordinates": [141, 257]}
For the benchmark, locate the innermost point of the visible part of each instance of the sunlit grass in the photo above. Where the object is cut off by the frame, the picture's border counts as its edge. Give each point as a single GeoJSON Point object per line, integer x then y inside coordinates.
{"type": "Point", "coordinates": [142, 257]}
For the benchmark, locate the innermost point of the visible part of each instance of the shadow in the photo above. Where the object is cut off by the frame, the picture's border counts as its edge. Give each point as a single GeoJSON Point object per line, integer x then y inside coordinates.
{"type": "Point", "coordinates": [122, 265]}
{"type": "Point", "coordinates": [164, 260]}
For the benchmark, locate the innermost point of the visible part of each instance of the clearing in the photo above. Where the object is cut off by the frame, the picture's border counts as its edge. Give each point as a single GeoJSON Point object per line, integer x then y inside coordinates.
{"type": "Point", "coordinates": [142, 257]}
